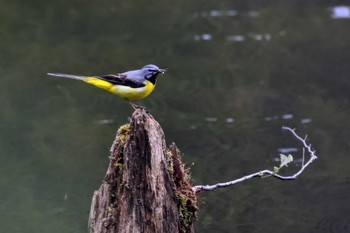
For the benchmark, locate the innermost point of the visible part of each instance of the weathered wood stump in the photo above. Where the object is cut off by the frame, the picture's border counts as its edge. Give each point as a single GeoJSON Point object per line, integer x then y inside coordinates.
{"type": "Point", "coordinates": [146, 188]}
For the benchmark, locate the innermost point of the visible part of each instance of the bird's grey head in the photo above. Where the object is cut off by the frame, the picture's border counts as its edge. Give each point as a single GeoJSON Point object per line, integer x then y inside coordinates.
{"type": "Point", "coordinates": [150, 72]}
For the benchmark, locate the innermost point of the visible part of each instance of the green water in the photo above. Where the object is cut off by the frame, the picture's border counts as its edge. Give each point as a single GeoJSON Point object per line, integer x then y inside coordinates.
{"type": "Point", "coordinates": [237, 72]}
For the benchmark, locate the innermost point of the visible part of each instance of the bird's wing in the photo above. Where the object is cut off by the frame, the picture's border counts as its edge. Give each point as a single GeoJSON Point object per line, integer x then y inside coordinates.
{"type": "Point", "coordinates": [121, 79]}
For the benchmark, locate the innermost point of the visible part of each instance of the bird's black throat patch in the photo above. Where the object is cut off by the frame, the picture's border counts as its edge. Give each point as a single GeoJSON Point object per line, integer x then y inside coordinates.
{"type": "Point", "coordinates": [152, 78]}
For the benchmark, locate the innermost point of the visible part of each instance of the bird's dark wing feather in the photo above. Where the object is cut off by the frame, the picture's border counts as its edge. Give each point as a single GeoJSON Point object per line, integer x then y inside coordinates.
{"type": "Point", "coordinates": [121, 79]}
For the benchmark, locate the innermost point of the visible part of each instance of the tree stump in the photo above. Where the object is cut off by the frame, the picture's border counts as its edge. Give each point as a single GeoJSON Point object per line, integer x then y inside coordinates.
{"type": "Point", "coordinates": [146, 188]}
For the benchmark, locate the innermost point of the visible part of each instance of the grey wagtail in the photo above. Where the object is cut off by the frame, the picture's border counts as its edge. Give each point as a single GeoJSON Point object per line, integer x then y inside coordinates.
{"type": "Point", "coordinates": [130, 85]}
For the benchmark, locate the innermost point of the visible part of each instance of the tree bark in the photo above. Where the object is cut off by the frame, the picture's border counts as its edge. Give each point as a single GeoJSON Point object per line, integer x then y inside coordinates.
{"type": "Point", "coordinates": [146, 188]}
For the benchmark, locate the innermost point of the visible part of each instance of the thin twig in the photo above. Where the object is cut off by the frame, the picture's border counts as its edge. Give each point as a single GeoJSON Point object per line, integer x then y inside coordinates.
{"type": "Point", "coordinates": [266, 173]}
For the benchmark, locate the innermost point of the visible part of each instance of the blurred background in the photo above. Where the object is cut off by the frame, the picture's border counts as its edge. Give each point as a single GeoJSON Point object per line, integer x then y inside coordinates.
{"type": "Point", "coordinates": [237, 72]}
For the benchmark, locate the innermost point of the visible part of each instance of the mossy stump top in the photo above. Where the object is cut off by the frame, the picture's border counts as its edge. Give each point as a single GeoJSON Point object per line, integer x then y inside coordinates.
{"type": "Point", "coordinates": [146, 188]}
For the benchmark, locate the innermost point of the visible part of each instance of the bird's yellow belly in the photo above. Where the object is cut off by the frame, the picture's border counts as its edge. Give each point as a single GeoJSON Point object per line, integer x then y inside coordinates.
{"type": "Point", "coordinates": [133, 93]}
{"type": "Point", "coordinates": [125, 92]}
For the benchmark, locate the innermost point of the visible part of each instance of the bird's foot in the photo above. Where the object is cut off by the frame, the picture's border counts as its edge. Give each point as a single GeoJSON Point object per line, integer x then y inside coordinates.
{"type": "Point", "coordinates": [135, 106]}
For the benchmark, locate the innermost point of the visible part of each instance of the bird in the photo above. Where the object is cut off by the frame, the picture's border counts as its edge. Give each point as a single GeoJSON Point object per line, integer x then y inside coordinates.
{"type": "Point", "coordinates": [130, 85]}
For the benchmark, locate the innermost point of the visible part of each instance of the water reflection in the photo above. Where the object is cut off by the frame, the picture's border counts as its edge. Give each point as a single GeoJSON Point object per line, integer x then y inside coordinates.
{"type": "Point", "coordinates": [340, 12]}
{"type": "Point", "coordinates": [235, 38]}
{"type": "Point", "coordinates": [306, 120]}
{"type": "Point", "coordinates": [205, 36]}
{"type": "Point", "coordinates": [231, 38]}
{"type": "Point", "coordinates": [225, 13]}
{"type": "Point", "coordinates": [286, 150]}
{"type": "Point", "coordinates": [287, 117]}
{"type": "Point", "coordinates": [230, 120]}
{"type": "Point", "coordinates": [104, 121]}
{"type": "Point", "coordinates": [211, 119]}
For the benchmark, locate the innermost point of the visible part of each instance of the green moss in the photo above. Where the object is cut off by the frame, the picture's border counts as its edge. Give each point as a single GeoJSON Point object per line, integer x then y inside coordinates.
{"type": "Point", "coordinates": [170, 165]}
{"type": "Point", "coordinates": [187, 201]}
{"type": "Point", "coordinates": [124, 132]}
{"type": "Point", "coordinates": [187, 213]}
{"type": "Point", "coordinates": [110, 209]}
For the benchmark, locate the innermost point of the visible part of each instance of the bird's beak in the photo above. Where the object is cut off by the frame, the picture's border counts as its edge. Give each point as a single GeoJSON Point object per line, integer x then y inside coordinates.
{"type": "Point", "coordinates": [162, 71]}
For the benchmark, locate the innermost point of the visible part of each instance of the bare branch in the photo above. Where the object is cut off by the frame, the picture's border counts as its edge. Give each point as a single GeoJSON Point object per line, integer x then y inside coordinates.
{"type": "Point", "coordinates": [266, 173]}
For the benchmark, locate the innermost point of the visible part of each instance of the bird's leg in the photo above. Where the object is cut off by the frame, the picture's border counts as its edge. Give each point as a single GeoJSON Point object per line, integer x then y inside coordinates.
{"type": "Point", "coordinates": [134, 106]}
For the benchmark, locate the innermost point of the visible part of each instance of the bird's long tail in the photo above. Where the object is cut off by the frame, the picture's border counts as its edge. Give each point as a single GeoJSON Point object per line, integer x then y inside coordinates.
{"type": "Point", "coordinates": [93, 80]}
{"type": "Point", "coordinates": [77, 77]}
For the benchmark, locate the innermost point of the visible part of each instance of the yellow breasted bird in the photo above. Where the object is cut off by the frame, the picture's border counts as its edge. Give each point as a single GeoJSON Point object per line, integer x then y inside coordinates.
{"type": "Point", "coordinates": [130, 85]}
